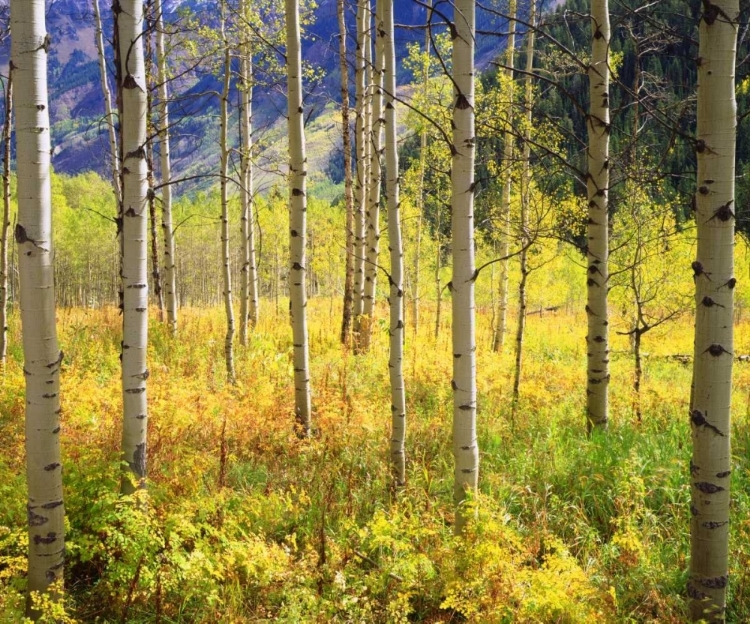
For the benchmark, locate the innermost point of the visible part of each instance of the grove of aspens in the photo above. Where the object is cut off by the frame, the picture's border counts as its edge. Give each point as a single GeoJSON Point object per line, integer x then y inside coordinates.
{"type": "Point", "coordinates": [373, 311]}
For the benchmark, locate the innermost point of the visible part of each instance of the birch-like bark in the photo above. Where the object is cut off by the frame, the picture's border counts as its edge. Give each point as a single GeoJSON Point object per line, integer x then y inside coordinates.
{"type": "Point", "coordinates": [7, 128]}
{"type": "Point", "coordinates": [226, 271]}
{"type": "Point", "coordinates": [372, 215]}
{"type": "Point", "coordinates": [129, 24]}
{"type": "Point", "coordinates": [715, 281]}
{"type": "Point", "coordinates": [346, 321]}
{"type": "Point", "coordinates": [422, 170]}
{"type": "Point", "coordinates": [170, 274]}
{"type": "Point", "coordinates": [249, 296]}
{"type": "Point", "coordinates": [361, 169]}
{"type": "Point", "coordinates": [42, 357]}
{"type": "Point", "coordinates": [387, 45]}
{"type": "Point", "coordinates": [153, 231]}
{"type": "Point", "coordinates": [113, 151]}
{"type": "Point", "coordinates": [502, 308]}
{"type": "Point", "coordinates": [465, 448]}
{"type": "Point", "coordinates": [525, 198]}
{"type": "Point", "coordinates": [597, 251]}
{"type": "Point", "coordinates": [297, 219]}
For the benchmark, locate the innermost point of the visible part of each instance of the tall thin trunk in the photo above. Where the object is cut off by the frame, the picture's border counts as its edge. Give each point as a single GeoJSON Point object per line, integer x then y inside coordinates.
{"type": "Point", "coordinates": [129, 24]}
{"type": "Point", "coordinates": [525, 199]}
{"type": "Point", "coordinates": [373, 191]}
{"type": "Point", "coordinates": [225, 258]}
{"type": "Point", "coordinates": [170, 274]}
{"type": "Point", "coordinates": [438, 266]}
{"type": "Point", "coordinates": [361, 183]}
{"type": "Point", "coordinates": [346, 322]}
{"type": "Point", "coordinates": [153, 232]}
{"type": "Point", "coordinates": [465, 447]}
{"type": "Point", "coordinates": [297, 219]}
{"type": "Point", "coordinates": [502, 309]}
{"type": "Point", "coordinates": [597, 251]}
{"type": "Point", "coordinates": [114, 154]}
{"type": "Point", "coordinates": [638, 370]}
{"type": "Point", "coordinates": [42, 357]}
{"type": "Point", "coordinates": [711, 462]}
{"type": "Point", "coordinates": [385, 32]}
{"type": "Point", "coordinates": [249, 297]}
{"type": "Point", "coordinates": [7, 128]}
{"type": "Point", "coordinates": [422, 169]}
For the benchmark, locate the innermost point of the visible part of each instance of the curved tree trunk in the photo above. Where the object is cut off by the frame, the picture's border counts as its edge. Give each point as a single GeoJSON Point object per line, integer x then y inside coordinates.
{"type": "Point", "coordinates": [114, 154]}
{"type": "Point", "coordinates": [465, 448]}
{"type": "Point", "coordinates": [346, 322]}
{"type": "Point", "coordinates": [385, 32]}
{"type": "Point", "coordinates": [502, 312]}
{"type": "Point", "coordinates": [597, 337]}
{"type": "Point", "coordinates": [42, 357]}
{"type": "Point", "coordinates": [297, 219]}
{"type": "Point", "coordinates": [226, 267]}
{"type": "Point", "coordinates": [170, 276]}
{"type": "Point", "coordinates": [7, 128]}
{"type": "Point", "coordinates": [373, 191]}
{"type": "Point", "coordinates": [711, 463]}
{"type": "Point", "coordinates": [129, 24]}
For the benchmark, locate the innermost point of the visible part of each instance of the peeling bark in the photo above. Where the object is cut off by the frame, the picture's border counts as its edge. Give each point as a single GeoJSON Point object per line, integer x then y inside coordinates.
{"type": "Point", "coordinates": [7, 128]}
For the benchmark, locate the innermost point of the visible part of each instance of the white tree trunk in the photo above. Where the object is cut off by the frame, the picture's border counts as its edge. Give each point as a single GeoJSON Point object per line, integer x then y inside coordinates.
{"type": "Point", "coordinates": [134, 240]}
{"type": "Point", "coordinates": [114, 154]}
{"type": "Point", "coordinates": [421, 191]}
{"type": "Point", "coordinates": [346, 321]}
{"type": "Point", "coordinates": [226, 271]}
{"type": "Point", "coordinates": [372, 215]}
{"type": "Point", "coordinates": [386, 32]}
{"type": "Point", "coordinates": [297, 219]}
{"type": "Point", "coordinates": [465, 448]}
{"type": "Point", "coordinates": [711, 463]}
{"type": "Point", "coordinates": [42, 357]}
{"type": "Point", "coordinates": [502, 308]}
{"type": "Point", "coordinates": [361, 170]}
{"type": "Point", "coordinates": [249, 295]}
{"type": "Point", "coordinates": [7, 128]}
{"type": "Point", "coordinates": [597, 337]}
{"type": "Point", "coordinates": [170, 274]}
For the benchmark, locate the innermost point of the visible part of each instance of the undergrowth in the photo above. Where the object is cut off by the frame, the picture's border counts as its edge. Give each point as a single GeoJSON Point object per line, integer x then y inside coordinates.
{"type": "Point", "coordinates": [244, 522]}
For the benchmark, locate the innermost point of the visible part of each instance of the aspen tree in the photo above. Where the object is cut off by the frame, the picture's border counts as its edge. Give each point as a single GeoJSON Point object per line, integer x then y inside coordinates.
{"type": "Point", "coordinates": [525, 197]}
{"type": "Point", "coordinates": [110, 114]}
{"type": "Point", "coordinates": [385, 32]}
{"type": "Point", "coordinates": [422, 170]}
{"type": "Point", "coordinates": [346, 321]}
{"type": "Point", "coordinates": [297, 219]}
{"type": "Point", "coordinates": [372, 214]}
{"type": "Point", "coordinates": [711, 464]}
{"type": "Point", "coordinates": [7, 128]}
{"type": "Point", "coordinates": [465, 448]}
{"type": "Point", "coordinates": [129, 25]}
{"type": "Point", "coordinates": [249, 294]}
{"type": "Point", "coordinates": [224, 139]}
{"type": "Point", "coordinates": [361, 170]}
{"type": "Point", "coordinates": [42, 357]}
{"type": "Point", "coordinates": [597, 250]}
{"type": "Point", "coordinates": [502, 313]}
{"type": "Point", "coordinates": [170, 276]}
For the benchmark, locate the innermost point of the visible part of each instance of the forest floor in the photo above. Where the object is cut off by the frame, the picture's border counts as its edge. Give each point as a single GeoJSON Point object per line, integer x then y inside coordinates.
{"type": "Point", "coordinates": [244, 522]}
